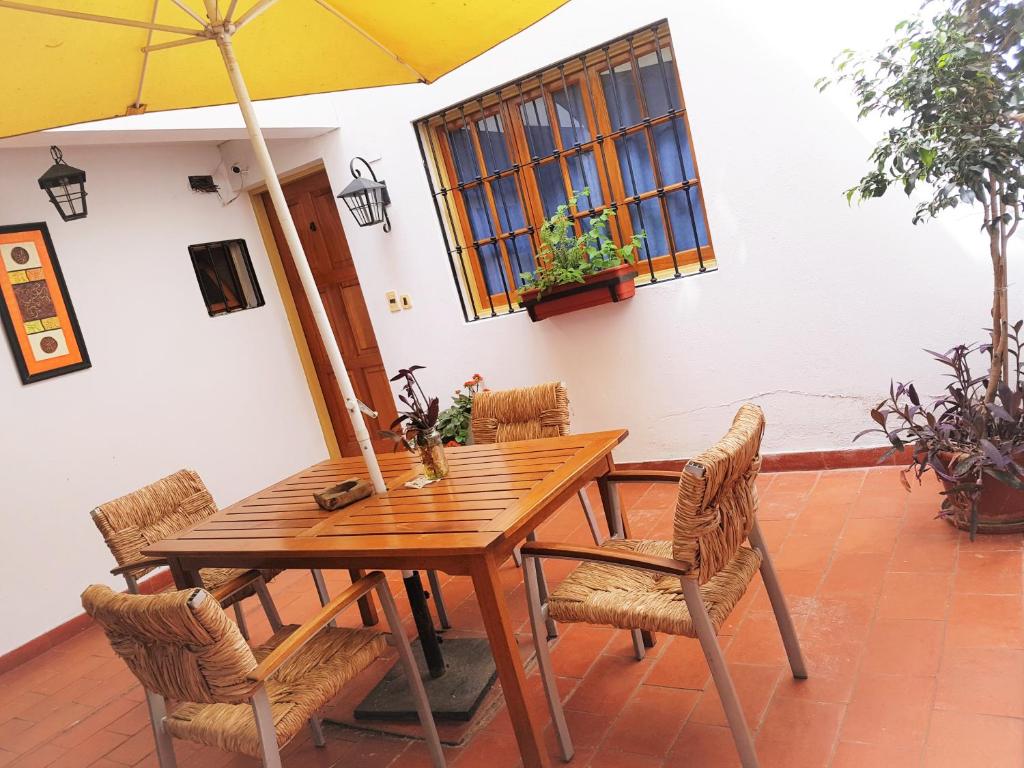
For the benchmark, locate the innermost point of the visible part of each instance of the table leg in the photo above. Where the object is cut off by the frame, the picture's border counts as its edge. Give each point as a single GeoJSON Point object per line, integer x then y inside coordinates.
{"type": "Point", "coordinates": [367, 610]}
{"type": "Point", "coordinates": [184, 578]}
{"type": "Point", "coordinates": [489, 594]}
{"type": "Point", "coordinates": [424, 623]}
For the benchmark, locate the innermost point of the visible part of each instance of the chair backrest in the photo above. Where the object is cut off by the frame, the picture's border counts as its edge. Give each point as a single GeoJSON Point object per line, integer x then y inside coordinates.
{"type": "Point", "coordinates": [179, 644]}
{"type": "Point", "coordinates": [526, 413]}
{"type": "Point", "coordinates": [134, 521]}
{"type": "Point", "coordinates": [718, 497]}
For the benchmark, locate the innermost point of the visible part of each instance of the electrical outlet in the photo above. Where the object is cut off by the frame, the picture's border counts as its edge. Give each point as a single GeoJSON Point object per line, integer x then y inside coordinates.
{"type": "Point", "coordinates": [393, 304]}
{"type": "Point", "coordinates": [406, 300]}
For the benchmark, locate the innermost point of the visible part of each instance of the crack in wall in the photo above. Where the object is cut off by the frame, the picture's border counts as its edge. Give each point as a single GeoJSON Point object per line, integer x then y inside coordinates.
{"type": "Point", "coordinates": [870, 400]}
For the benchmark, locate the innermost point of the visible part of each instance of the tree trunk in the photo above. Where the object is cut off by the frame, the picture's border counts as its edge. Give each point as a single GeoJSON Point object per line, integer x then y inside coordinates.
{"type": "Point", "coordinates": [996, 228]}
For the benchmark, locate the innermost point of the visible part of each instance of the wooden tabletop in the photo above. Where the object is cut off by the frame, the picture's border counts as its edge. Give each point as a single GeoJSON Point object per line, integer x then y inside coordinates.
{"type": "Point", "coordinates": [488, 502]}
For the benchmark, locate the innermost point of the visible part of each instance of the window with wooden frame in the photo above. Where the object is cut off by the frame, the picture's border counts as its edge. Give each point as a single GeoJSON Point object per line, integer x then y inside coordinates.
{"type": "Point", "coordinates": [225, 275]}
{"type": "Point", "coordinates": [610, 120]}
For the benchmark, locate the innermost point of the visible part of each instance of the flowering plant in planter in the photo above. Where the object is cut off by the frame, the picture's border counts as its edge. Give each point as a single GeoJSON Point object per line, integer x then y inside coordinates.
{"type": "Point", "coordinates": [959, 435]}
{"type": "Point", "coordinates": [453, 423]}
{"type": "Point", "coordinates": [951, 88]}
{"type": "Point", "coordinates": [564, 258]}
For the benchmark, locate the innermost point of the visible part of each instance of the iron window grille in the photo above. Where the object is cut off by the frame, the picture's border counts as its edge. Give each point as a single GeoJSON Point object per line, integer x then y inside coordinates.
{"type": "Point", "coordinates": [226, 277]}
{"type": "Point", "coordinates": [497, 168]}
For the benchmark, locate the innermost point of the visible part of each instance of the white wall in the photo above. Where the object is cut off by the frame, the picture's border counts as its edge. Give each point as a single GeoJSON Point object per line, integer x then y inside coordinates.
{"type": "Point", "coordinates": [816, 304]}
{"type": "Point", "coordinates": [169, 386]}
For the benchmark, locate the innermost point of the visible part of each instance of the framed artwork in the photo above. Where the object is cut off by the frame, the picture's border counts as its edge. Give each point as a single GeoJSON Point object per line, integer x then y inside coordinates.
{"type": "Point", "coordinates": [34, 306]}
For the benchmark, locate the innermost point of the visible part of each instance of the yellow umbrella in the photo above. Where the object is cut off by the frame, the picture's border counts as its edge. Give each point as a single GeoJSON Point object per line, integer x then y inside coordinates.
{"type": "Point", "coordinates": [151, 55]}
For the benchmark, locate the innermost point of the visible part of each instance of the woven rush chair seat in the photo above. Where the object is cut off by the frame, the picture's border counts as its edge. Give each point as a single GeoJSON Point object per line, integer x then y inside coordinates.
{"type": "Point", "coordinates": [183, 648]}
{"type": "Point", "coordinates": [527, 413]}
{"type": "Point", "coordinates": [306, 682]}
{"type": "Point", "coordinates": [628, 598]}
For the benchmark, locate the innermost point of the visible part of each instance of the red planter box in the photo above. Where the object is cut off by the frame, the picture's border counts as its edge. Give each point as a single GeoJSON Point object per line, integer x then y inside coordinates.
{"type": "Point", "coordinates": [615, 284]}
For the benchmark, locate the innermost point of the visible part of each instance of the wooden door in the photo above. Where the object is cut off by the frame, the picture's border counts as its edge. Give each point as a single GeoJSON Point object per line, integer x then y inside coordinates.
{"type": "Point", "coordinates": [315, 214]}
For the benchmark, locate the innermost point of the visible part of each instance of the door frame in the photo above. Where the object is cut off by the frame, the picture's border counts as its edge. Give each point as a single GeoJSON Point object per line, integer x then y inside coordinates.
{"type": "Point", "coordinates": [288, 299]}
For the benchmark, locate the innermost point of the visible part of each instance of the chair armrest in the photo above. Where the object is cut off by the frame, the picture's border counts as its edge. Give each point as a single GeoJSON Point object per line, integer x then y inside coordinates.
{"type": "Point", "coordinates": [642, 476]}
{"type": "Point", "coordinates": [240, 582]}
{"type": "Point", "coordinates": [291, 645]}
{"type": "Point", "coordinates": [147, 562]}
{"type": "Point", "coordinates": [623, 557]}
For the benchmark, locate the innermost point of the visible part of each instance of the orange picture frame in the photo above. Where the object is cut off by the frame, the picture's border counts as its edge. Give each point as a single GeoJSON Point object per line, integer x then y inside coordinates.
{"type": "Point", "coordinates": [35, 309]}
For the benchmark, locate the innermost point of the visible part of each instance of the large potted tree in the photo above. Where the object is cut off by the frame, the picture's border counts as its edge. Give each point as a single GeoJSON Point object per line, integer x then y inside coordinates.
{"type": "Point", "coordinates": [950, 89]}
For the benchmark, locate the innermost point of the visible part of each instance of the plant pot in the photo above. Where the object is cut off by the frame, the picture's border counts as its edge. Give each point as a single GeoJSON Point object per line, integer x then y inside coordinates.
{"type": "Point", "coordinates": [1000, 507]}
{"type": "Point", "coordinates": [608, 285]}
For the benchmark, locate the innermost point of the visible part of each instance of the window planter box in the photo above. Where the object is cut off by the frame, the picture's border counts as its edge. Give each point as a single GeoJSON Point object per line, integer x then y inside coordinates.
{"type": "Point", "coordinates": [615, 284]}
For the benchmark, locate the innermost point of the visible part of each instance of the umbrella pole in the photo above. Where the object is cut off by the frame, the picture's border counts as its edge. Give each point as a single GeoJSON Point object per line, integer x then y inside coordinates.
{"type": "Point", "coordinates": [291, 236]}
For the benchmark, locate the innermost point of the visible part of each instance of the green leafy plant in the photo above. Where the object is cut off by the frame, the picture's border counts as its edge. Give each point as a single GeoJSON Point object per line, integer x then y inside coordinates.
{"type": "Point", "coordinates": [952, 88]}
{"type": "Point", "coordinates": [453, 423]}
{"type": "Point", "coordinates": [566, 258]}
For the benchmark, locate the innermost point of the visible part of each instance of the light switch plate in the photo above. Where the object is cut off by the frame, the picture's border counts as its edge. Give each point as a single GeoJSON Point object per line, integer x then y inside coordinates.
{"type": "Point", "coordinates": [393, 305]}
{"type": "Point", "coordinates": [406, 300]}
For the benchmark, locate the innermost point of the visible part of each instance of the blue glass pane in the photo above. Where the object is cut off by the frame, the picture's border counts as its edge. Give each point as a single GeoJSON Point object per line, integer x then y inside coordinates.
{"type": "Point", "coordinates": [463, 155]}
{"type": "Point", "coordinates": [551, 185]}
{"type": "Point", "coordinates": [520, 255]}
{"type": "Point", "coordinates": [660, 82]}
{"type": "Point", "coordinates": [682, 226]}
{"type": "Point", "coordinates": [635, 164]}
{"type": "Point", "coordinates": [572, 120]}
{"type": "Point", "coordinates": [673, 147]}
{"type": "Point", "coordinates": [534, 114]}
{"type": "Point", "coordinates": [583, 175]}
{"type": "Point", "coordinates": [646, 218]}
{"type": "Point", "coordinates": [620, 95]}
{"type": "Point", "coordinates": [506, 200]}
{"type": "Point", "coordinates": [491, 265]}
{"type": "Point", "coordinates": [492, 144]}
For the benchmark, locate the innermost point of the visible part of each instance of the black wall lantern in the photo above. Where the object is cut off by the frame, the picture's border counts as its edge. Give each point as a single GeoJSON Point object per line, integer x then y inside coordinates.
{"type": "Point", "coordinates": [65, 186]}
{"type": "Point", "coordinates": [368, 200]}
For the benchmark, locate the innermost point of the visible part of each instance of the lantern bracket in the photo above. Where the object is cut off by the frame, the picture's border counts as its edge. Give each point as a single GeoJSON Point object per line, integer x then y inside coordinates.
{"type": "Point", "coordinates": [358, 188]}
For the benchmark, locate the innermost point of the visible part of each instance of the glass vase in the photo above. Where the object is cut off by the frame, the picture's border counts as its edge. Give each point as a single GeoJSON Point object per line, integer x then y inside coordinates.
{"type": "Point", "coordinates": [431, 450]}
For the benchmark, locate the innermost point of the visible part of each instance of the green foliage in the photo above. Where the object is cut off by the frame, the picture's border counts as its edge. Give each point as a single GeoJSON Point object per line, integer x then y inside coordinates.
{"type": "Point", "coordinates": [565, 258]}
{"type": "Point", "coordinates": [453, 423]}
{"type": "Point", "coordinates": [952, 88]}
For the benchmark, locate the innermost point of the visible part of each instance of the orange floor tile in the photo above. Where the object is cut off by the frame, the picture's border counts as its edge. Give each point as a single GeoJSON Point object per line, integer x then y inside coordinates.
{"type": "Point", "coordinates": [914, 639]}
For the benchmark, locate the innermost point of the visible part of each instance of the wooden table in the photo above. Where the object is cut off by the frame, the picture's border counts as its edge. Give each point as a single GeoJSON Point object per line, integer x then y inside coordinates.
{"type": "Point", "coordinates": [467, 524]}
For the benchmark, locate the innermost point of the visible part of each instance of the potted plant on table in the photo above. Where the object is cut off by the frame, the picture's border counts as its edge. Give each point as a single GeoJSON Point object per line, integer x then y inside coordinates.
{"type": "Point", "coordinates": [573, 272]}
{"type": "Point", "coordinates": [952, 89]}
{"type": "Point", "coordinates": [418, 433]}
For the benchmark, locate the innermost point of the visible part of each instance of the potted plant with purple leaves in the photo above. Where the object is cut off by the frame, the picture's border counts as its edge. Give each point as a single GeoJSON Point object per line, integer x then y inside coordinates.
{"type": "Point", "coordinates": [950, 87]}
{"type": "Point", "coordinates": [416, 427]}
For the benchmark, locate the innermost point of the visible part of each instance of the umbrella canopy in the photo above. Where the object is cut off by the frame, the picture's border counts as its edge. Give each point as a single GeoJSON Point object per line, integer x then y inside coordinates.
{"type": "Point", "coordinates": [57, 70]}
{"type": "Point", "coordinates": [72, 61]}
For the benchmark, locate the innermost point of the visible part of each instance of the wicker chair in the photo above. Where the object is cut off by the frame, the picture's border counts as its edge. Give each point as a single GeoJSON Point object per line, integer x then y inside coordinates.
{"type": "Point", "coordinates": [182, 646]}
{"type": "Point", "coordinates": [132, 522]}
{"type": "Point", "coordinates": [686, 586]}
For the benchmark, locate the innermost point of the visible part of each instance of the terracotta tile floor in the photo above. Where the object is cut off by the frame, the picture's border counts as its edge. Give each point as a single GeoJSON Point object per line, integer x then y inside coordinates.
{"type": "Point", "coordinates": [914, 638]}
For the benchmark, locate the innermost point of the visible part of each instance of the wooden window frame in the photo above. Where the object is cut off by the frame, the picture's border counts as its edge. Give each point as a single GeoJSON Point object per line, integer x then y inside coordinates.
{"type": "Point", "coordinates": [508, 103]}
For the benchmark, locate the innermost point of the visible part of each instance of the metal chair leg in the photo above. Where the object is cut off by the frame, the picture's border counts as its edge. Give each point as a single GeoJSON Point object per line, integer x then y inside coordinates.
{"type": "Point", "coordinates": [317, 730]}
{"type": "Point", "coordinates": [540, 643]}
{"type": "Point", "coordinates": [412, 674]}
{"type": "Point", "coordinates": [240, 620]}
{"type": "Point", "coordinates": [588, 512]}
{"type": "Point", "coordinates": [133, 584]}
{"type": "Point", "coordinates": [779, 607]}
{"type": "Point", "coordinates": [164, 744]}
{"type": "Point", "coordinates": [268, 604]}
{"type": "Point", "coordinates": [720, 673]}
{"type": "Point", "coordinates": [639, 648]}
{"type": "Point", "coordinates": [517, 557]}
{"type": "Point", "coordinates": [542, 589]}
{"type": "Point", "coordinates": [435, 592]}
{"type": "Point", "coordinates": [265, 729]}
{"type": "Point", "coordinates": [321, 590]}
